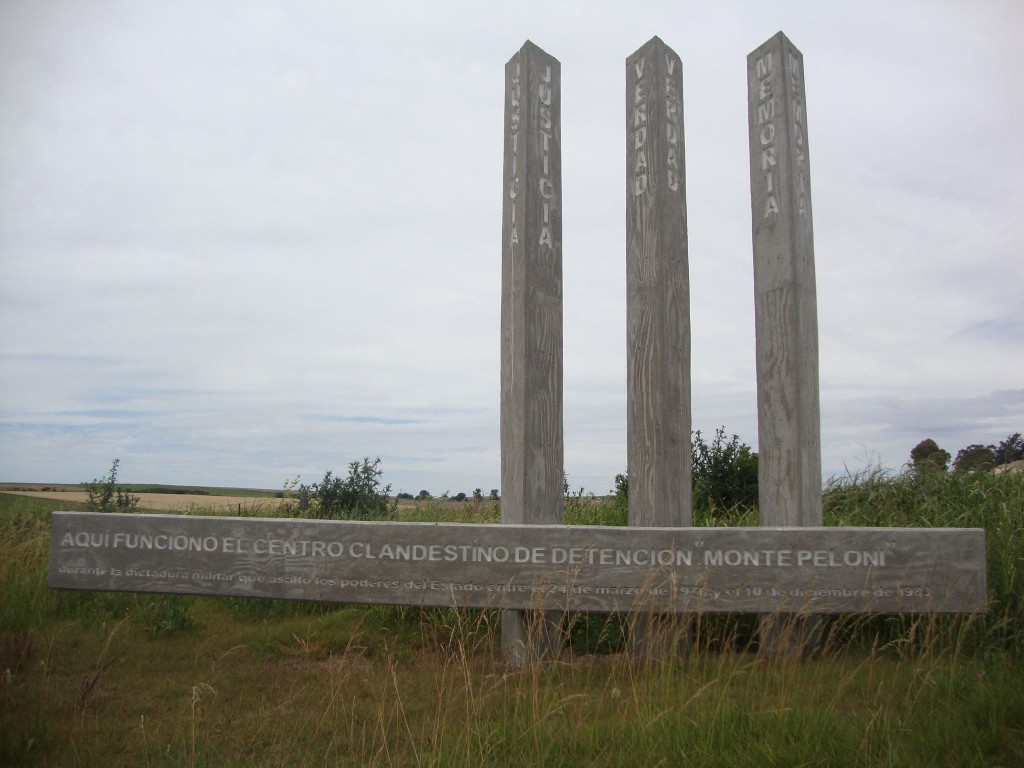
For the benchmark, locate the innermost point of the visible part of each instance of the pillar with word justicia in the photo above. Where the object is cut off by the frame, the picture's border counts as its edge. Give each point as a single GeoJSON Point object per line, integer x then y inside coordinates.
{"type": "Point", "coordinates": [531, 323]}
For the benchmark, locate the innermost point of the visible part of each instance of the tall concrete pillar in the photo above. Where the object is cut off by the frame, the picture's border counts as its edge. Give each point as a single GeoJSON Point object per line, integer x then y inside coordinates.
{"type": "Point", "coordinates": [658, 291]}
{"type": "Point", "coordinates": [785, 308]}
{"type": "Point", "coordinates": [531, 322]}
{"type": "Point", "coordinates": [657, 315]}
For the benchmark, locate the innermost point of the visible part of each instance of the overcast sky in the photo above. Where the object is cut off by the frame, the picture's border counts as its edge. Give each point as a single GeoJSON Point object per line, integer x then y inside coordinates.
{"type": "Point", "coordinates": [246, 241]}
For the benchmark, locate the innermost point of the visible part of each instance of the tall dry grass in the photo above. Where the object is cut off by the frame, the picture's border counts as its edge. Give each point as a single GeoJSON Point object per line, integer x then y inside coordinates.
{"type": "Point", "coordinates": [97, 679]}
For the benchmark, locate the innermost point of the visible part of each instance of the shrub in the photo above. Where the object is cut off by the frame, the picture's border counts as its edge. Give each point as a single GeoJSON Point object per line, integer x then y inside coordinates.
{"type": "Point", "coordinates": [106, 496]}
{"type": "Point", "coordinates": [724, 473]}
{"type": "Point", "coordinates": [358, 497]}
{"type": "Point", "coordinates": [724, 476]}
{"type": "Point", "coordinates": [619, 498]}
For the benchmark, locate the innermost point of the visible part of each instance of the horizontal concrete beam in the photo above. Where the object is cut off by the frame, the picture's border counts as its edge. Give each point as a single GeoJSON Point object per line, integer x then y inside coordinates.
{"type": "Point", "coordinates": [601, 569]}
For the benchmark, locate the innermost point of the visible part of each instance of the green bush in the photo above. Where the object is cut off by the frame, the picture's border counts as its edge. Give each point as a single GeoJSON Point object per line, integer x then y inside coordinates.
{"type": "Point", "coordinates": [105, 495]}
{"type": "Point", "coordinates": [724, 473]}
{"type": "Point", "coordinates": [724, 478]}
{"type": "Point", "coordinates": [358, 497]}
{"type": "Point", "coordinates": [619, 498]}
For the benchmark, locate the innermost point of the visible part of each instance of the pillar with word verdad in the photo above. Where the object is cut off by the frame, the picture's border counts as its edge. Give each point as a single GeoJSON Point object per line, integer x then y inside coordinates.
{"type": "Point", "coordinates": [658, 419]}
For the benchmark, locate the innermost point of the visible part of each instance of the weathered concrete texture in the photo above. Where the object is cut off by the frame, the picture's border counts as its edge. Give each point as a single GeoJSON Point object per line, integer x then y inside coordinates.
{"type": "Point", "coordinates": [547, 570]}
{"type": "Point", "coordinates": [658, 291]}
{"type": "Point", "coordinates": [789, 441]}
{"type": "Point", "coordinates": [531, 310]}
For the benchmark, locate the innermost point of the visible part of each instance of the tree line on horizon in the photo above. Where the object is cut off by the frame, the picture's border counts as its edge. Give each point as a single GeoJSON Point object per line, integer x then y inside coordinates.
{"type": "Point", "coordinates": [927, 456]}
{"type": "Point", "coordinates": [725, 472]}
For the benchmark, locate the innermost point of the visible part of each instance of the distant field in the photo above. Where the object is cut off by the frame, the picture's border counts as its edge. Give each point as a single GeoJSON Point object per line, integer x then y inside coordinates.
{"type": "Point", "coordinates": [197, 490]}
{"type": "Point", "coordinates": [162, 498]}
{"type": "Point", "coordinates": [178, 498]}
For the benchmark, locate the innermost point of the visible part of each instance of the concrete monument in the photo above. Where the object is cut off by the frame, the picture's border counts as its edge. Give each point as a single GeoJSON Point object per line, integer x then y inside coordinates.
{"type": "Point", "coordinates": [657, 291]}
{"type": "Point", "coordinates": [526, 567]}
{"type": "Point", "coordinates": [785, 303]}
{"type": "Point", "coordinates": [785, 307]}
{"type": "Point", "coordinates": [791, 570]}
{"type": "Point", "coordinates": [531, 317]}
{"type": "Point", "coordinates": [657, 310]}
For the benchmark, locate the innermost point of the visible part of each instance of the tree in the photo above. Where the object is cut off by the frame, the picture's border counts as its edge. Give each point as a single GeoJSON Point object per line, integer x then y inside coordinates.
{"type": "Point", "coordinates": [494, 494]}
{"type": "Point", "coordinates": [358, 497]}
{"type": "Point", "coordinates": [424, 495]}
{"type": "Point", "coordinates": [478, 495]}
{"type": "Point", "coordinates": [105, 495]}
{"type": "Point", "coordinates": [724, 472]}
{"type": "Point", "coordinates": [621, 492]}
{"type": "Point", "coordinates": [974, 458]}
{"type": "Point", "coordinates": [619, 496]}
{"type": "Point", "coordinates": [928, 457]}
{"type": "Point", "coordinates": [1009, 450]}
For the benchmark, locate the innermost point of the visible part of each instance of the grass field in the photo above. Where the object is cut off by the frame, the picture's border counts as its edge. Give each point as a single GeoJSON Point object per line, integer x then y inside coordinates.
{"type": "Point", "coordinates": [98, 679]}
{"type": "Point", "coordinates": [164, 498]}
{"type": "Point", "coordinates": [223, 501]}
{"type": "Point", "coordinates": [147, 488]}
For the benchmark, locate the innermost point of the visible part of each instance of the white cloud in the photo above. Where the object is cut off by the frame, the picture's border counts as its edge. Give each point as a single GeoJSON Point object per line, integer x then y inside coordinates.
{"type": "Point", "coordinates": [244, 241]}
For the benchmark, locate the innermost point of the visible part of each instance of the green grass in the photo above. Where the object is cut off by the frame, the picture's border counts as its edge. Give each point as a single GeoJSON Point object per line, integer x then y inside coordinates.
{"type": "Point", "coordinates": [147, 680]}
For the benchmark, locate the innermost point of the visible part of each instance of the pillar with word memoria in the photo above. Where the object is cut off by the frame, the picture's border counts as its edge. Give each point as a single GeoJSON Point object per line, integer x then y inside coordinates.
{"type": "Point", "coordinates": [531, 323]}
{"type": "Point", "coordinates": [785, 302]}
